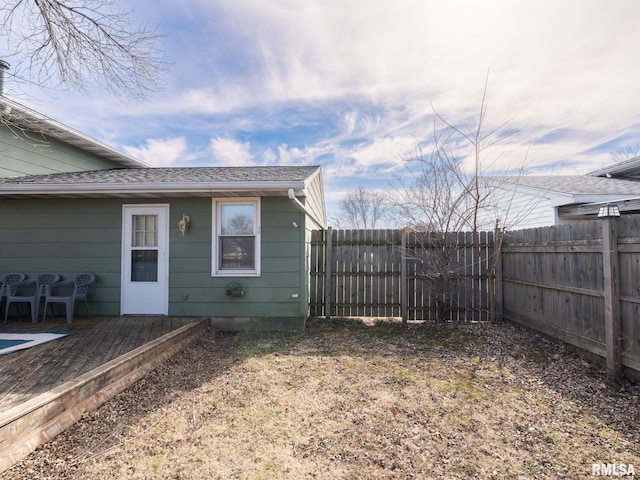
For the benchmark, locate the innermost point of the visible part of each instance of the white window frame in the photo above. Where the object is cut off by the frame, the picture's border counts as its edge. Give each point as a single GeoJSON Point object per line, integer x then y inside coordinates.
{"type": "Point", "coordinates": [216, 228]}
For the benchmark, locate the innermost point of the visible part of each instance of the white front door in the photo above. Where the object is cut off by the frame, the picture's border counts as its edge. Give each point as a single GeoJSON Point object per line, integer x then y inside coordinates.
{"type": "Point", "coordinates": [145, 262]}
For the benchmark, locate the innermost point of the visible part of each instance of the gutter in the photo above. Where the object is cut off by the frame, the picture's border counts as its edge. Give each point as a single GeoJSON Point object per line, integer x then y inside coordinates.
{"type": "Point", "coordinates": [157, 188]}
{"type": "Point", "coordinates": [292, 196]}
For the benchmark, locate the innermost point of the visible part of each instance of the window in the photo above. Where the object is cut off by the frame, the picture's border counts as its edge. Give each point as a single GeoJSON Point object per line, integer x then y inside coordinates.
{"type": "Point", "coordinates": [236, 237]}
{"type": "Point", "coordinates": [144, 248]}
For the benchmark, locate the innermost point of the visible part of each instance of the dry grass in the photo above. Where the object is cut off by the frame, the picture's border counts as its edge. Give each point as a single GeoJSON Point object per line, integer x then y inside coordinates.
{"type": "Point", "coordinates": [348, 400]}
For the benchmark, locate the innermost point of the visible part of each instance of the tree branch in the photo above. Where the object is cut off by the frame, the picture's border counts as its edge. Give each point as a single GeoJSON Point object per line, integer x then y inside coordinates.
{"type": "Point", "coordinates": [84, 44]}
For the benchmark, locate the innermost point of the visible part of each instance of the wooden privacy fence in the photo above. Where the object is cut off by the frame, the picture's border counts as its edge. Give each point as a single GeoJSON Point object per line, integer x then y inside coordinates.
{"type": "Point", "coordinates": [571, 283]}
{"type": "Point", "coordinates": [396, 273]}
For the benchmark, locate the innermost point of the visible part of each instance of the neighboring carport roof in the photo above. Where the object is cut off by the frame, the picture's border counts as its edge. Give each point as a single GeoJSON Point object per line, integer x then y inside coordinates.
{"type": "Point", "coordinates": [625, 168]}
{"type": "Point", "coordinates": [163, 182]}
{"type": "Point", "coordinates": [15, 115]}
{"type": "Point", "coordinates": [573, 184]}
{"type": "Point", "coordinates": [579, 195]}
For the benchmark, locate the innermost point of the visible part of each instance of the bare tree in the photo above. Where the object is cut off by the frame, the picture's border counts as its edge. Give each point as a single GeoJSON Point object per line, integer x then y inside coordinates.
{"type": "Point", "coordinates": [430, 202]}
{"type": "Point", "coordinates": [361, 209]}
{"type": "Point", "coordinates": [477, 191]}
{"type": "Point", "coordinates": [430, 199]}
{"type": "Point", "coordinates": [448, 193]}
{"type": "Point", "coordinates": [625, 153]}
{"type": "Point", "coordinates": [82, 43]}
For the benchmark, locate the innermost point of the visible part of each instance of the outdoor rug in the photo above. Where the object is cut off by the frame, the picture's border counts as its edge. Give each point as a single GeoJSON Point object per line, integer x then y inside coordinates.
{"type": "Point", "coordinates": [10, 342]}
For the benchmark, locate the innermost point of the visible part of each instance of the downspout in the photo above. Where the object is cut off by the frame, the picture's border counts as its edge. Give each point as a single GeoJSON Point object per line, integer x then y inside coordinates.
{"type": "Point", "coordinates": [309, 213]}
{"type": "Point", "coordinates": [305, 271]}
{"type": "Point", "coordinates": [4, 67]}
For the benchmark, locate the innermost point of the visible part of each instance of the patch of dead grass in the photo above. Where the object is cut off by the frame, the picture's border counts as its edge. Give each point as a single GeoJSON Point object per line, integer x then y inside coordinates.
{"type": "Point", "coordinates": [350, 400]}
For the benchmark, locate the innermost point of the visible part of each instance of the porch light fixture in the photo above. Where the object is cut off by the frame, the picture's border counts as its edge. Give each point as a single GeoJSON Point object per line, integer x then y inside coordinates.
{"type": "Point", "coordinates": [184, 224]}
{"type": "Point", "coordinates": [609, 211]}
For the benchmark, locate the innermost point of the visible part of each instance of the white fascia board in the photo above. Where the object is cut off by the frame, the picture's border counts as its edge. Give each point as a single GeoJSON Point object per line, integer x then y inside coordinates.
{"type": "Point", "coordinates": [580, 199]}
{"type": "Point", "coordinates": [558, 200]}
{"type": "Point", "coordinates": [150, 188]}
{"type": "Point", "coordinates": [600, 201]}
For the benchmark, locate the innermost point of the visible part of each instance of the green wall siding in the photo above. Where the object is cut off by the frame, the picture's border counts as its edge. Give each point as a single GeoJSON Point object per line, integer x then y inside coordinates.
{"type": "Point", "coordinates": [70, 236]}
{"type": "Point", "coordinates": [65, 236]}
{"type": "Point", "coordinates": [266, 296]}
{"type": "Point", "coordinates": [32, 153]}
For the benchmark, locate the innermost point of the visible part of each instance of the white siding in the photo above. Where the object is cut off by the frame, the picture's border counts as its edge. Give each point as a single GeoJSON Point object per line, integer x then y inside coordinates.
{"type": "Point", "coordinates": [516, 210]}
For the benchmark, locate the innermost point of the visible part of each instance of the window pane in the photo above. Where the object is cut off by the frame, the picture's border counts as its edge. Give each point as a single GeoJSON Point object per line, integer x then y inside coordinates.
{"type": "Point", "coordinates": [145, 231]}
{"type": "Point", "coordinates": [144, 265]}
{"type": "Point", "coordinates": [237, 253]}
{"type": "Point", "coordinates": [236, 220]}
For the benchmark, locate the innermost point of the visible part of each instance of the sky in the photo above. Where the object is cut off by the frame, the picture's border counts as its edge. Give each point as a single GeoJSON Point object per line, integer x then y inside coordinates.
{"type": "Point", "coordinates": [354, 85]}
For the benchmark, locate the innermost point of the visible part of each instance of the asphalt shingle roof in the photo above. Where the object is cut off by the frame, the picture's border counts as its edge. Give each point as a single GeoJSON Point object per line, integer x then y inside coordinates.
{"type": "Point", "coordinates": [190, 175]}
{"type": "Point", "coordinates": [576, 184]}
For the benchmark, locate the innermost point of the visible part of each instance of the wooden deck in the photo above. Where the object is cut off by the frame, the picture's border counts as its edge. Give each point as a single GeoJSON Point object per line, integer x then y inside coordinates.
{"type": "Point", "coordinates": [92, 342]}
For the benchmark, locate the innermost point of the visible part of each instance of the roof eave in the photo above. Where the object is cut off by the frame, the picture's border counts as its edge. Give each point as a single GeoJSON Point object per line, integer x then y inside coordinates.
{"type": "Point", "coordinates": [59, 131]}
{"type": "Point", "coordinates": [625, 167]}
{"type": "Point", "coordinates": [151, 189]}
{"type": "Point", "coordinates": [496, 182]}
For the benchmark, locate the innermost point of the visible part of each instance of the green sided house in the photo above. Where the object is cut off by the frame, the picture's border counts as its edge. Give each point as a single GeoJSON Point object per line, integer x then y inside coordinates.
{"type": "Point", "coordinates": [231, 244]}
{"type": "Point", "coordinates": [32, 143]}
{"type": "Point", "coordinates": [227, 243]}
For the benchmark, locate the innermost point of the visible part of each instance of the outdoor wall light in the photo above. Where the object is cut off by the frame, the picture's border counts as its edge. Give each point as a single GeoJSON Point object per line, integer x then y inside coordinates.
{"type": "Point", "coordinates": [184, 224]}
{"type": "Point", "coordinates": [609, 211]}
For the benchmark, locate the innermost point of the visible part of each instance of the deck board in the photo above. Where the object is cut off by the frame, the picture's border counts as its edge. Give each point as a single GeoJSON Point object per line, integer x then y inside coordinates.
{"type": "Point", "coordinates": [73, 361]}
{"type": "Point", "coordinates": [93, 342]}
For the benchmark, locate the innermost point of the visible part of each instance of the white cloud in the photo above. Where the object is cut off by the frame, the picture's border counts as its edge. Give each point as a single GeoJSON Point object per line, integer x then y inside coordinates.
{"type": "Point", "coordinates": [161, 153]}
{"type": "Point", "coordinates": [230, 152]}
{"type": "Point", "coordinates": [565, 71]}
{"type": "Point", "coordinates": [383, 152]}
{"type": "Point", "coordinates": [543, 64]}
{"type": "Point", "coordinates": [349, 122]}
{"type": "Point", "coordinates": [207, 100]}
{"type": "Point", "coordinates": [304, 155]}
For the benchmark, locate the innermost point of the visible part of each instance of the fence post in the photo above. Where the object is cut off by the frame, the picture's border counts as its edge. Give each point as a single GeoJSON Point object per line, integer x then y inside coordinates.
{"type": "Point", "coordinates": [497, 277]}
{"type": "Point", "coordinates": [612, 327]}
{"type": "Point", "coordinates": [404, 285]}
{"type": "Point", "coordinates": [328, 259]}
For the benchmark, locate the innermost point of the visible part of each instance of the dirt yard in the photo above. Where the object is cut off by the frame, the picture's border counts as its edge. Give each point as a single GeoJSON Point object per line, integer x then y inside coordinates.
{"type": "Point", "coordinates": [349, 400]}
